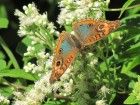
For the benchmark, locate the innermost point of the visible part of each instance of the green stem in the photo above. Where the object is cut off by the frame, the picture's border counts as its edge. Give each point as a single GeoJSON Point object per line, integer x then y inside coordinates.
{"type": "Point", "coordinates": [119, 9]}
{"type": "Point", "coordinates": [9, 53]}
{"type": "Point", "coordinates": [105, 60]}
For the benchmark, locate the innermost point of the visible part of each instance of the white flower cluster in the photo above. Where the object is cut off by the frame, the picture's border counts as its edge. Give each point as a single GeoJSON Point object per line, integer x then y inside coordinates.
{"type": "Point", "coordinates": [30, 51]}
{"type": "Point", "coordinates": [72, 10]}
{"type": "Point", "coordinates": [34, 24]}
{"type": "Point", "coordinates": [36, 95]}
{"type": "Point", "coordinates": [104, 91]}
{"type": "Point", "coordinates": [43, 63]}
{"type": "Point", "coordinates": [68, 88]}
{"type": "Point", "coordinates": [4, 100]}
{"type": "Point", "coordinates": [41, 89]}
{"type": "Point", "coordinates": [101, 102]}
{"type": "Point", "coordinates": [29, 17]}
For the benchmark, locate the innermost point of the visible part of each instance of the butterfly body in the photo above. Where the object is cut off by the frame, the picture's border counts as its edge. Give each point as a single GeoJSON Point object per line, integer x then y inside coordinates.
{"type": "Point", "coordinates": [86, 32]}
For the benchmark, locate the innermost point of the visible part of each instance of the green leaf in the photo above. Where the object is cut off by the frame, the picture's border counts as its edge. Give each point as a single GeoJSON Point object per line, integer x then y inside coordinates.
{"type": "Point", "coordinates": [2, 64]}
{"type": "Point", "coordinates": [20, 73]}
{"type": "Point", "coordinates": [130, 64]}
{"type": "Point", "coordinates": [2, 56]}
{"type": "Point", "coordinates": [131, 52]}
{"type": "Point", "coordinates": [50, 103]}
{"type": "Point", "coordinates": [6, 91]}
{"type": "Point", "coordinates": [3, 13]}
{"type": "Point", "coordinates": [131, 84]}
{"type": "Point", "coordinates": [131, 74]}
{"type": "Point", "coordinates": [22, 46]}
{"type": "Point", "coordinates": [134, 16]}
{"type": "Point", "coordinates": [134, 10]}
{"type": "Point", "coordinates": [131, 100]}
{"type": "Point", "coordinates": [3, 23]}
{"type": "Point", "coordinates": [112, 98]}
{"type": "Point", "coordinates": [125, 6]}
{"type": "Point", "coordinates": [68, 28]}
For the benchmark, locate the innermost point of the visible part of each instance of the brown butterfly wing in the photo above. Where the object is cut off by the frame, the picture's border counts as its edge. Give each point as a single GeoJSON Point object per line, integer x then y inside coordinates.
{"type": "Point", "coordinates": [65, 53]}
{"type": "Point", "coordinates": [90, 31]}
{"type": "Point", "coordinates": [83, 28]}
{"type": "Point", "coordinates": [101, 29]}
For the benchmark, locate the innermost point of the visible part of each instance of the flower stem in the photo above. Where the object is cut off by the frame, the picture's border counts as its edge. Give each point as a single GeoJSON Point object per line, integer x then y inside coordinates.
{"type": "Point", "coordinates": [119, 9]}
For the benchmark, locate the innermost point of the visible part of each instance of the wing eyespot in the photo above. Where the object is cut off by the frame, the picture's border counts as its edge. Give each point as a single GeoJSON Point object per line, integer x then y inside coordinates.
{"type": "Point", "coordinates": [90, 25]}
{"type": "Point", "coordinates": [60, 50]}
{"type": "Point", "coordinates": [58, 63]}
{"type": "Point", "coordinates": [101, 27]}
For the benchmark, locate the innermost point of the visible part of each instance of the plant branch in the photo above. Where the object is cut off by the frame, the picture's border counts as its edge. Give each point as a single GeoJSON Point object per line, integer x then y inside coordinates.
{"type": "Point", "coordinates": [119, 9]}
{"type": "Point", "coordinates": [61, 97]}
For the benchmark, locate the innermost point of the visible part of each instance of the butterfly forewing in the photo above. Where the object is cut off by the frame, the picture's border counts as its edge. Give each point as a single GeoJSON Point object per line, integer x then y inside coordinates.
{"type": "Point", "coordinates": [83, 28]}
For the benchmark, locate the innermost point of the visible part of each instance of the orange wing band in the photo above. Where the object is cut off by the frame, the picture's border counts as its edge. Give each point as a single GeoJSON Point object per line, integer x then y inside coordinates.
{"type": "Point", "coordinates": [67, 63]}
{"type": "Point", "coordinates": [92, 39]}
{"type": "Point", "coordinates": [84, 21]}
{"type": "Point", "coordinates": [71, 58]}
{"type": "Point", "coordinates": [97, 36]}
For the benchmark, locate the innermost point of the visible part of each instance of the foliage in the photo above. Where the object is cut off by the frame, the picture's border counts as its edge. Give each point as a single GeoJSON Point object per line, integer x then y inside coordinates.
{"type": "Point", "coordinates": [100, 73]}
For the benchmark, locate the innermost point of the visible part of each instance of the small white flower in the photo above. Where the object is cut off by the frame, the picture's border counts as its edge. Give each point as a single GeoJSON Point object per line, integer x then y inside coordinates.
{"type": "Point", "coordinates": [19, 13]}
{"type": "Point", "coordinates": [62, 3]}
{"type": "Point", "coordinates": [19, 95]}
{"type": "Point", "coordinates": [29, 67]}
{"type": "Point", "coordinates": [41, 55]}
{"type": "Point", "coordinates": [25, 8]}
{"type": "Point", "coordinates": [98, 15]}
{"type": "Point", "coordinates": [66, 75]}
{"type": "Point", "coordinates": [100, 102]}
{"type": "Point", "coordinates": [72, 32]}
{"type": "Point", "coordinates": [104, 90]}
{"type": "Point", "coordinates": [68, 87]}
{"type": "Point", "coordinates": [96, 4]}
{"type": "Point", "coordinates": [56, 86]}
{"type": "Point", "coordinates": [30, 51]}
{"type": "Point", "coordinates": [119, 38]}
{"type": "Point", "coordinates": [94, 62]}
{"type": "Point", "coordinates": [70, 1]}
{"type": "Point", "coordinates": [4, 100]}
{"type": "Point", "coordinates": [90, 5]}
{"type": "Point", "coordinates": [89, 54]}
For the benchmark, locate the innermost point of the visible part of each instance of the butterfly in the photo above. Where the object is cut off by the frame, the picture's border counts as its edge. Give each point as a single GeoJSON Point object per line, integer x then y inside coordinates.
{"type": "Point", "coordinates": [86, 32]}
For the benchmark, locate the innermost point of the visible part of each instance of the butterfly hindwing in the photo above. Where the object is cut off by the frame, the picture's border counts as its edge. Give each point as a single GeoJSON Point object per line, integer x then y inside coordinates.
{"type": "Point", "coordinates": [101, 29]}
{"type": "Point", "coordinates": [64, 55]}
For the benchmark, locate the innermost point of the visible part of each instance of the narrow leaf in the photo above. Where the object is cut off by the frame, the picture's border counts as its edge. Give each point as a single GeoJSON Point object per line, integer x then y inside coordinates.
{"type": "Point", "coordinates": [125, 6]}
{"type": "Point", "coordinates": [129, 65]}
{"type": "Point", "coordinates": [2, 64]}
{"type": "Point", "coordinates": [3, 23]}
{"type": "Point", "coordinates": [131, 100]}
